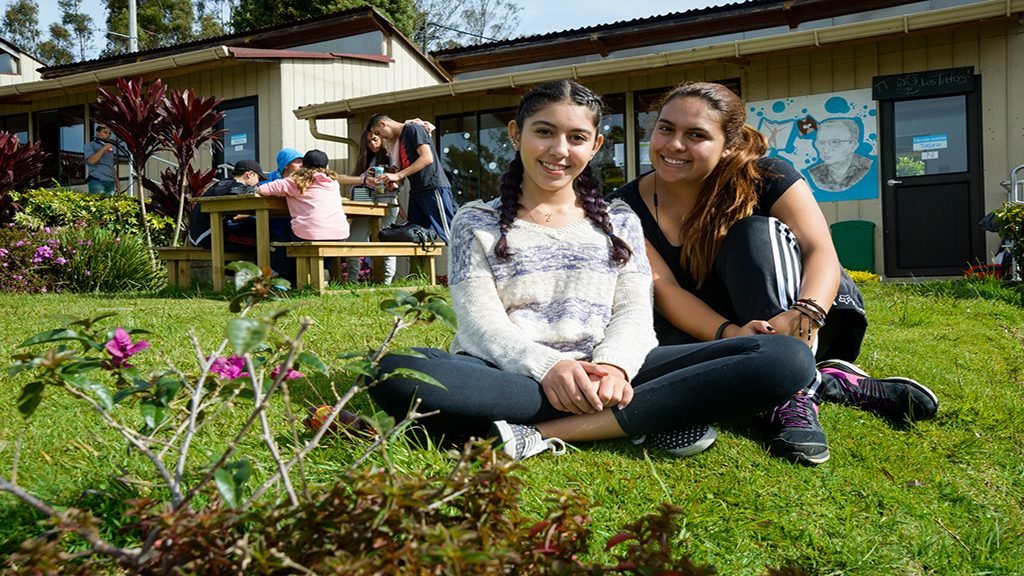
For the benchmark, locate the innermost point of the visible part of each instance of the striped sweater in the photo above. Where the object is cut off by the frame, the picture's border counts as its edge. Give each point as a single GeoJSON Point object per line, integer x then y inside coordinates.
{"type": "Point", "coordinates": [558, 296]}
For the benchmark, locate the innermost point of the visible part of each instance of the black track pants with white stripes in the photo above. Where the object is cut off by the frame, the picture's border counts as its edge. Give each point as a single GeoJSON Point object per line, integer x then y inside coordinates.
{"type": "Point", "coordinates": [759, 268]}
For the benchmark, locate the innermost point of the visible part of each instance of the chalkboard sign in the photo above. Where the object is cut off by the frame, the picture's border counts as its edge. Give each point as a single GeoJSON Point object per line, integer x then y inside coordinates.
{"type": "Point", "coordinates": [923, 84]}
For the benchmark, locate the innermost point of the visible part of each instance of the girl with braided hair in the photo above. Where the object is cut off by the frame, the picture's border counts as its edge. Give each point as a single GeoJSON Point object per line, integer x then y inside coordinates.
{"type": "Point", "coordinates": [738, 246]}
{"type": "Point", "coordinates": [555, 342]}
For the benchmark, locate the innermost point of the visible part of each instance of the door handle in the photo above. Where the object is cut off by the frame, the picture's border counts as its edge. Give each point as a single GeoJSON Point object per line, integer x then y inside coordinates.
{"type": "Point", "coordinates": [891, 182]}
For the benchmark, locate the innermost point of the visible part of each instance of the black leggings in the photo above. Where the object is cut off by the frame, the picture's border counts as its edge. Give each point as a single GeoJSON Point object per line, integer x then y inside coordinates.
{"type": "Point", "coordinates": [677, 386]}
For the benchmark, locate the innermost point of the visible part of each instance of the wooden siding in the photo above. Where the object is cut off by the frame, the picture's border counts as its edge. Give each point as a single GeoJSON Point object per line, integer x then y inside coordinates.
{"type": "Point", "coordinates": [994, 49]}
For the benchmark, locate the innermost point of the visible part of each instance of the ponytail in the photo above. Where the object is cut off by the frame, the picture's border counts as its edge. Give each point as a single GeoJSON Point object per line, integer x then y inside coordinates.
{"type": "Point", "coordinates": [588, 188]}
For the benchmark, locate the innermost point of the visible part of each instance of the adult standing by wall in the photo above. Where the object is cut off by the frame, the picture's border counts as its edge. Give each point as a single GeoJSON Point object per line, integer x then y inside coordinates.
{"type": "Point", "coordinates": [430, 193]}
{"type": "Point", "coordinates": [101, 163]}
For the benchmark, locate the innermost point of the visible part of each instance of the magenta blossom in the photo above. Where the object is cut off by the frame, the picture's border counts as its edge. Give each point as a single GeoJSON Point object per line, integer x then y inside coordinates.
{"type": "Point", "coordinates": [229, 368]}
{"type": "Point", "coordinates": [290, 375]}
{"type": "Point", "coordinates": [121, 348]}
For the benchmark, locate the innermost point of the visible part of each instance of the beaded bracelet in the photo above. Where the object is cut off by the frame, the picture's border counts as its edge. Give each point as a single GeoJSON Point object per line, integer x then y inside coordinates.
{"type": "Point", "coordinates": [813, 304]}
{"type": "Point", "coordinates": [816, 316]}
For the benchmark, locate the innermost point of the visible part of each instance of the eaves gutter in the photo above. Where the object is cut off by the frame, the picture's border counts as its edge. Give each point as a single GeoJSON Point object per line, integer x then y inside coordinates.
{"type": "Point", "coordinates": [115, 72]}
{"type": "Point", "coordinates": [819, 37]}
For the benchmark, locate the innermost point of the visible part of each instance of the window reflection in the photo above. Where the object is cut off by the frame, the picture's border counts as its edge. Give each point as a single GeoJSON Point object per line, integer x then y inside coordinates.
{"type": "Point", "coordinates": [241, 142]}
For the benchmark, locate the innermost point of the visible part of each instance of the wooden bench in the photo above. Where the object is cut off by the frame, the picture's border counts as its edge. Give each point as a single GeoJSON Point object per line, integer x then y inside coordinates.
{"type": "Point", "coordinates": [180, 258]}
{"type": "Point", "coordinates": [309, 258]}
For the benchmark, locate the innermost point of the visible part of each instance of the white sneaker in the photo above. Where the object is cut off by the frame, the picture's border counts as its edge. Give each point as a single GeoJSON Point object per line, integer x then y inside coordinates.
{"type": "Point", "coordinates": [682, 442]}
{"type": "Point", "coordinates": [521, 441]}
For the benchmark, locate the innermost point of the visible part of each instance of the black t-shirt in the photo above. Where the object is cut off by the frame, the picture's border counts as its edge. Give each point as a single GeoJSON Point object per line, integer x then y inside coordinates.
{"type": "Point", "coordinates": [779, 175]}
{"type": "Point", "coordinates": [432, 177]}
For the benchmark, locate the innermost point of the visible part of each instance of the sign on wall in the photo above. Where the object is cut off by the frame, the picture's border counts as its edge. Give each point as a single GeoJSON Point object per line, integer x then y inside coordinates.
{"type": "Point", "coordinates": [831, 139]}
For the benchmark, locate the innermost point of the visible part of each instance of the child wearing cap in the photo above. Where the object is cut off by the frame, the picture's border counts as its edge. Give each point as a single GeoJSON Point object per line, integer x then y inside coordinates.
{"type": "Point", "coordinates": [239, 230]}
{"type": "Point", "coordinates": [313, 195]}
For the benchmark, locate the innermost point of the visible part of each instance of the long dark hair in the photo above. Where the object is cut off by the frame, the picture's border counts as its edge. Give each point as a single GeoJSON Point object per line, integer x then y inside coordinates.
{"type": "Point", "coordinates": [367, 157]}
{"type": "Point", "coordinates": [586, 185]}
{"type": "Point", "coordinates": [729, 193]}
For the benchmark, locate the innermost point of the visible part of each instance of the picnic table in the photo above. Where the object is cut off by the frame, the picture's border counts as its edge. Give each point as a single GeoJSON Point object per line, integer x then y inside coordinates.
{"type": "Point", "coordinates": [264, 207]}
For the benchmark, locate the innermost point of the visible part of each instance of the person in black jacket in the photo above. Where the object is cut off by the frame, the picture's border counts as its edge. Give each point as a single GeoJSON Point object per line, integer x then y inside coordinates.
{"type": "Point", "coordinates": [240, 230]}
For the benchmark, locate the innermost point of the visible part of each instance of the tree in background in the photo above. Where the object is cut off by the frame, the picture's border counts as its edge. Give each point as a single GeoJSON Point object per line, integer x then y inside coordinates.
{"type": "Point", "coordinates": [451, 23]}
{"type": "Point", "coordinates": [71, 38]}
{"type": "Point", "coordinates": [20, 25]}
{"type": "Point", "coordinates": [253, 14]}
{"type": "Point", "coordinates": [163, 23]}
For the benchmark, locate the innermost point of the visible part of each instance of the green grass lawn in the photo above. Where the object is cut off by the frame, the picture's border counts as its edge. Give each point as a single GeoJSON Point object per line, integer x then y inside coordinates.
{"type": "Point", "coordinates": [941, 497]}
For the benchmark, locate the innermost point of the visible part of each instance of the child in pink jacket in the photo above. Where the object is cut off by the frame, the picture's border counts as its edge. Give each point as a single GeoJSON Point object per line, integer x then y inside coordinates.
{"type": "Point", "coordinates": [314, 203]}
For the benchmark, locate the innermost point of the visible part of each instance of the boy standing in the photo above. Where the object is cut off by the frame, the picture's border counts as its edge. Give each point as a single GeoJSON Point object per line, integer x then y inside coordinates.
{"type": "Point", "coordinates": [430, 193]}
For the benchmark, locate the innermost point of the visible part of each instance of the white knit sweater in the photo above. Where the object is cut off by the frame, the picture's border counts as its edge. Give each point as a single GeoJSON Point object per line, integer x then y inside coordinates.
{"type": "Point", "coordinates": [558, 296]}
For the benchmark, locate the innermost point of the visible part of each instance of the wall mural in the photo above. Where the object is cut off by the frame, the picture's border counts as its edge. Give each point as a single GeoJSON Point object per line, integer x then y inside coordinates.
{"type": "Point", "coordinates": [832, 139]}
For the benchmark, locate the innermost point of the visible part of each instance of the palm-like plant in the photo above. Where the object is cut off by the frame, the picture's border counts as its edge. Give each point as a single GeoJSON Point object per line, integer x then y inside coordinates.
{"type": "Point", "coordinates": [19, 166]}
{"type": "Point", "coordinates": [134, 115]}
{"type": "Point", "coordinates": [189, 122]}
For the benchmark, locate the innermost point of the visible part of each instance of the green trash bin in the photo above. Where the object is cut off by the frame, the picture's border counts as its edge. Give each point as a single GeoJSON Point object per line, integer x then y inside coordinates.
{"type": "Point", "coordinates": [855, 244]}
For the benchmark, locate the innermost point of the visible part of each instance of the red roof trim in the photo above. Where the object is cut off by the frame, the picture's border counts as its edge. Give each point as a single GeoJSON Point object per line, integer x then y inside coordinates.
{"type": "Point", "coordinates": [245, 53]}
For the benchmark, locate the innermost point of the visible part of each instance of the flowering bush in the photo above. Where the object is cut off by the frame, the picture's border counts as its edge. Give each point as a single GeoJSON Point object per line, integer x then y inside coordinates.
{"type": "Point", "coordinates": [75, 260]}
{"type": "Point", "coordinates": [26, 259]}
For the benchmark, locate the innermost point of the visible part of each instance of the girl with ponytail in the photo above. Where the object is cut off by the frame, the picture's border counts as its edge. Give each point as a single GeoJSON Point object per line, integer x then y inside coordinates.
{"type": "Point", "coordinates": [555, 341]}
{"type": "Point", "coordinates": [739, 247]}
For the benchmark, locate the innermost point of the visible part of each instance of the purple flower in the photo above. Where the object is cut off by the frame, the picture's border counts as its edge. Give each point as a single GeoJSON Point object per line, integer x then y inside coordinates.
{"type": "Point", "coordinates": [42, 253]}
{"type": "Point", "coordinates": [290, 375]}
{"type": "Point", "coordinates": [19, 243]}
{"type": "Point", "coordinates": [121, 348]}
{"type": "Point", "coordinates": [60, 260]}
{"type": "Point", "coordinates": [229, 368]}
{"type": "Point", "coordinates": [3, 252]}
{"type": "Point", "coordinates": [87, 273]}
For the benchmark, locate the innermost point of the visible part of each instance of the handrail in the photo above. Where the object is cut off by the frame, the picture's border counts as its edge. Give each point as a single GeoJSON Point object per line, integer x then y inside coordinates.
{"type": "Point", "coordinates": [1016, 189]}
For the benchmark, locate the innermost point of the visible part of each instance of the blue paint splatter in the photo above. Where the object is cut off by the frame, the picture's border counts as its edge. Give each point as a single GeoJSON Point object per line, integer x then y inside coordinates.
{"type": "Point", "coordinates": [872, 112]}
{"type": "Point", "coordinates": [779, 107]}
{"type": "Point", "coordinates": [837, 105]}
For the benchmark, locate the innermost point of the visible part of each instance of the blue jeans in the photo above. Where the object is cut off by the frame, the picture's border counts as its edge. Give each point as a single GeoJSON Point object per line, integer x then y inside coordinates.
{"type": "Point", "coordinates": [101, 187]}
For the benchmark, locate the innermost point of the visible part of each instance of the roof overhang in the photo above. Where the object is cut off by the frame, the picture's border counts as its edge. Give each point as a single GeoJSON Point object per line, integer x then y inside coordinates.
{"type": "Point", "coordinates": [87, 81]}
{"type": "Point", "coordinates": [734, 51]}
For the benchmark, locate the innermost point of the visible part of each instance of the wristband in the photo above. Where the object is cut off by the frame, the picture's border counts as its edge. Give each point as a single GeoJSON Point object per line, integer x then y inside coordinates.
{"type": "Point", "coordinates": [721, 329]}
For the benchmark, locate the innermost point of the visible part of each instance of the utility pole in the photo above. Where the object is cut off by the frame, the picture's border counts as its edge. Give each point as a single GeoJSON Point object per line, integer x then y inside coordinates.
{"type": "Point", "coordinates": [133, 27]}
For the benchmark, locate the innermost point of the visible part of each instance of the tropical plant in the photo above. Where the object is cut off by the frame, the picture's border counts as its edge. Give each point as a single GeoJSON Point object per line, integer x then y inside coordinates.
{"type": "Point", "coordinates": [133, 113]}
{"type": "Point", "coordinates": [19, 166]}
{"type": "Point", "coordinates": [99, 260]}
{"type": "Point", "coordinates": [61, 207]}
{"type": "Point", "coordinates": [189, 123]}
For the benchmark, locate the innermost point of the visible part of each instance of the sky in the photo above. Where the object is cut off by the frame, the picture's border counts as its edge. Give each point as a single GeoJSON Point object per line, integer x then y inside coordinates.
{"type": "Point", "coordinates": [537, 16]}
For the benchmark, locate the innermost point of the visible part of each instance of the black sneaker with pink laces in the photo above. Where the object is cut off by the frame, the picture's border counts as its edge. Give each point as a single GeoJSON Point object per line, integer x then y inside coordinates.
{"type": "Point", "coordinates": [898, 399]}
{"type": "Point", "coordinates": [795, 433]}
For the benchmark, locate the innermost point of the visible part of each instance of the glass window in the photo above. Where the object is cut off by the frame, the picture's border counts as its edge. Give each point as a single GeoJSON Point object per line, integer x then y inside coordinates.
{"type": "Point", "coordinates": [610, 162]}
{"type": "Point", "coordinates": [62, 133]}
{"type": "Point", "coordinates": [241, 142]}
{"type": "Point", "coordinates": [475, 150]}
{"type": "Point", "coordinates": [931, 136]}
{"type": "Point", "coordinates": [16, 124]}
{"type": "Point", "coordinates": [8, 63]}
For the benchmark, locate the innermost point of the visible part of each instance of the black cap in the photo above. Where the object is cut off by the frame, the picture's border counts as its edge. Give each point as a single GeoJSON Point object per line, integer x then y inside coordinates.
{"type": "Point", "coordinates": [315, 159]}
{"type": "Point", "coordinates": [243, 166]}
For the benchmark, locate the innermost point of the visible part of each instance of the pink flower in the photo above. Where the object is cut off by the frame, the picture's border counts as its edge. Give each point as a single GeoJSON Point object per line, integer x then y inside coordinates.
{"type": "Point", "coordinates": [291, 375]}
{"type": "Point", "coordinates": [121, 348]}
{"type": "Point", "coordinates": [229, 368]}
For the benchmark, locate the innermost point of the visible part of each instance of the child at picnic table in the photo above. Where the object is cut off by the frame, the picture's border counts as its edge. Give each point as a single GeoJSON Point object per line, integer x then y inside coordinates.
{"type": "Point", "coordinates": [555, 339]}
{"type": "Point", "coordinates": [313, 195]}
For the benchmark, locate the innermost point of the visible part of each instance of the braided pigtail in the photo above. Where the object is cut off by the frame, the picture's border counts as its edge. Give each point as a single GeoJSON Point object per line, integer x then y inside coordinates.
{"type": "Point", "coordinates": [587, 187]}
{"type": "Point", "coordinates": [511, 190]}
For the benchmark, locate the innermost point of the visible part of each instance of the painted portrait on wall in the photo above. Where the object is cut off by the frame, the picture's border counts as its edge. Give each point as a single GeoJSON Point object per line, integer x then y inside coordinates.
{"type": "Point", "coordinates": [832, 139]}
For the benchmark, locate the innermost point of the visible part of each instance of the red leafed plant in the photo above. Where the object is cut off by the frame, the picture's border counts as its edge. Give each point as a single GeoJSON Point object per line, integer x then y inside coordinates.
{"type": "Point", "coordinates": [19, 166]}
{"type": "Point", "coordinates": [133, 114]}
{"type": "Point", "coordinates": [190, 122]}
